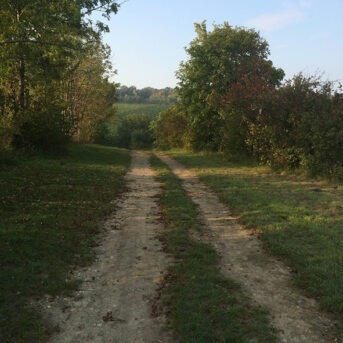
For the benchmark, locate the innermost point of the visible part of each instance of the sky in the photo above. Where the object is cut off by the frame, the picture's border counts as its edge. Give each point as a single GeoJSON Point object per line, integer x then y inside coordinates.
{"type": "Point", "coordinates": [148, 37]}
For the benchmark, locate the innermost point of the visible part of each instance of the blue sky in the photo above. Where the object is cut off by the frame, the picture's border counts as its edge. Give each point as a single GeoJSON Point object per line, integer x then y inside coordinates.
{"type": "Point", "coordinates": [148, 37]}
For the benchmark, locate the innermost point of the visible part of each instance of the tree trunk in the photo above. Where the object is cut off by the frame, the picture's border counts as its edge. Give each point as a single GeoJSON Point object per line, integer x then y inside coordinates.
{"type": "Point", "coordinates": [22, 69]}
{"type": "Point", "coordinates": [22, 84]}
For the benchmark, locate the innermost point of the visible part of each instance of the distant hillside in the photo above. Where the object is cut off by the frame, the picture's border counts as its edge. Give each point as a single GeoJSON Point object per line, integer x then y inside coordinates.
{"type": "Point", "coordinates": [135, 111]}
{"type": "Point", "coordinates": [152, 110]}
{"type": "Point", "coordinates": [146, 95]}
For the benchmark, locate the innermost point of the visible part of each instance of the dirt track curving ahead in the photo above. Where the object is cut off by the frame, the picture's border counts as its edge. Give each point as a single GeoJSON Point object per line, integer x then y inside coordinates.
{"type": "Point", "coordinates": [267, 281]}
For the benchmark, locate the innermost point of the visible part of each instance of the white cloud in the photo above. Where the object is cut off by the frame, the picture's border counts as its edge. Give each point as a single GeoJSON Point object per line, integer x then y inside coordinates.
{"type": "Point", "coordinates": [274, 21]}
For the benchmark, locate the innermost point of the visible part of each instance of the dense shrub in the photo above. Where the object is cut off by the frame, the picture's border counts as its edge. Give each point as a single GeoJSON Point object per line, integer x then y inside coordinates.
{"type": "Point", "coordinates": [134, 132]}
{"type": "Point", "coordinates": [300, 126]}
{"type": "Point", "coordinates": [170, 128]}
{"type": "Point", "coordinates": [41, 131]}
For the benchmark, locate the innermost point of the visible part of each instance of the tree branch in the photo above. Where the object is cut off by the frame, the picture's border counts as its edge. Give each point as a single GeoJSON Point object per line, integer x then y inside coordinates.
{"type": "Point", "coordinates": [39, 43]}
{"type": "Point", "coordinates": [104, 7]}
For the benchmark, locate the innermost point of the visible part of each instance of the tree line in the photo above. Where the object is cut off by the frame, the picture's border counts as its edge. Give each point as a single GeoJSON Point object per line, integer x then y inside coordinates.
{"type": "Point", "coordinates": [147, 95]}
{"type": "Point", "coordinates": [54, 86]}
{"type": "Point", "coordinates": [54, 72]}
{"type": "Point", "coordinates": [137, 110]}
{"type": "Point", "coordinates": [231, 98]}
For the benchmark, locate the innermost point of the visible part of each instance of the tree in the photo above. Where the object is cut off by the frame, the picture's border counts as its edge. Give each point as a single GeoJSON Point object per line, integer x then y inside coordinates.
{"type": "Point", "coordinates": [40, 42]}
{"type": "Point", "coordinates": [170, 128]}
{"type": "Point", "coordinates": [301, 125]}
{"type": "Point", "coordinates": [134, 132]}
{"type": "Point", "coordinates": [146, 95]}
{"type": "Point", "coordinates": [226, 72]}
{"type": "Point", "coordinates": [89, 81]}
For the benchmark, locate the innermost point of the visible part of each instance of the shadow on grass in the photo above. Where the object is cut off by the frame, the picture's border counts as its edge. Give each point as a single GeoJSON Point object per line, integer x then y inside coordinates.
{"type": "Point", "coordinates": [49, 215]}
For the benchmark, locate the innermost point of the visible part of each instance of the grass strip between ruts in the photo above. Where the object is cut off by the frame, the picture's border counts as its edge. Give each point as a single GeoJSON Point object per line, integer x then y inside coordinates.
{"type": "Point", "coordinates": [49, 216]}
{"type": "Point", "coordinates": [203, 306]}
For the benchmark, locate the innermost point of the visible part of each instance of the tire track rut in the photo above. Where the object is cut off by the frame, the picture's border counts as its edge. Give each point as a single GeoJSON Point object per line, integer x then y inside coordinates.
{"type": "Point", "coordinates": [114, 302]}
{"type": "Point", "coordinates": [266, 280]}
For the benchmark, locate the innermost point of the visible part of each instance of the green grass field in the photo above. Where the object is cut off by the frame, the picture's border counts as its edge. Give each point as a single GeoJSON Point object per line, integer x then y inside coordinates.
{"type": "Point", "coordinates": [202, 306]}
{"type": "Point", "coordinates": [300, 220]}
{"type": "Point", "coordinates": [149, 109]}
{"type": "Point", "coordinates": [49, 215]}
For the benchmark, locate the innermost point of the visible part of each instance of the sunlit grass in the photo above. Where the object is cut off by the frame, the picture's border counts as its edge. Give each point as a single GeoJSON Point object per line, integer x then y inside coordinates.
{"type": "Point", "coordinates": [300, 219]}
{"type": "Point", "coordinates": [50, 208]}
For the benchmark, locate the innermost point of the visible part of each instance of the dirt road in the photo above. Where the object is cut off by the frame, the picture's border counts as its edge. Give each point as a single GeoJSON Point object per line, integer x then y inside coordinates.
{"type": "Point", "coordinates": [114, 302]}
{"type": "Point", "coordinates": [264, 279]}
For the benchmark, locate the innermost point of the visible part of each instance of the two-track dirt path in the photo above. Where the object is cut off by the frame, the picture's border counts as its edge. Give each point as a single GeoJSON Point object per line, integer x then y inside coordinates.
{"type": "Point", "coordinates": [264, 279]}
{"type": "Point", "coordinates": [114, 302]}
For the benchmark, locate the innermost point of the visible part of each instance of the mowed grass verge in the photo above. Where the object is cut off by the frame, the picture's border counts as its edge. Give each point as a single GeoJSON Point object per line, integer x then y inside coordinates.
{"type": "Point", "coordinates": [300, 219]}
{"type": "Point", "coordinates": [202, 306]}
{"type": "Point", "coordinates": [50, 209]}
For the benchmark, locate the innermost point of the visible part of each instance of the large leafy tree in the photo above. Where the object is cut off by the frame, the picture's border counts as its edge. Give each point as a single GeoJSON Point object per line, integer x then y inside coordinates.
{"type": "Point", "coordinates": [41, 43]}
{"type": "Point", "coordinates": [91, 81]}
{"type": "Point", "coordinates": [227, 70]}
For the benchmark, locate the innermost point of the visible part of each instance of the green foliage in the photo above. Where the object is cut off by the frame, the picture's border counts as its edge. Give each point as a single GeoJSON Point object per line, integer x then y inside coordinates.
{"type": "Point", "coordinates": [41, 131]}
{"type": "Point", "coordinates": [147, 95]}
{"type": "Point", "coordinates": [116, 132]}
{"type": "Point", "coordinates": [300, 219]}
{"type": "Point", "coordinates": [152, 110]}
{"type": "Point", "coordinates": [235, 103]}
{"type": "Point", "coordinates": [101, 133]}
{"type": "Point", "coordinates": [134, 132]}
{"type": "Point", "coordinates": [170, 128]}
{"type": "Point", "coordinates": [301, 125]}
{"type": "Point", "coordinates": [234, 133]}
{"type": "Point", "coordinates": [90, 81]}
{"type": "Point", "coordinates": [226, 72]}
{"type": "Point", "coordinates": [49, 215]}
{"type": "Point", "coordinates": [202, 305]}
{"type": "Point", "coordinates": [43, 45]}
{"type": "Point", "coordinates": [6, 132]}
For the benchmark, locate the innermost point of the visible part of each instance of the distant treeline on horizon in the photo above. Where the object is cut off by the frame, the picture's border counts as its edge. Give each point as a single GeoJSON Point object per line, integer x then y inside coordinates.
{"type": "Point", "coordinates": [147, 95]}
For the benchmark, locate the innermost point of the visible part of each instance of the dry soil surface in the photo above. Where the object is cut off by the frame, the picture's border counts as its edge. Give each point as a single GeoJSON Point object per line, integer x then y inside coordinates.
{"type": "Point", "coordinates": [264, 279]}
{"type": "Point", "coordinates": [115, 300]}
